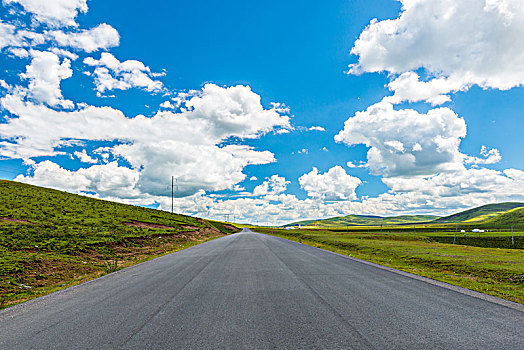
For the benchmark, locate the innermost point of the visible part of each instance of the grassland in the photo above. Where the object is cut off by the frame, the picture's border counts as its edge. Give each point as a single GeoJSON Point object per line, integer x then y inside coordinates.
{"type": "Point", "coordinates": [51, 239]}
{"type": "Point", "coordinates": [494, 271]}
{"type": "Point", "coordinates": [365, 220]}
{"type": "Point", "coordinates": [479, 214]}
{"type": "Point", "coordinates": [510, 217]}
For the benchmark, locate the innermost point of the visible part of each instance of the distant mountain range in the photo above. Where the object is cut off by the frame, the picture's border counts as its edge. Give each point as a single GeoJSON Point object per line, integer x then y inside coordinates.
{"type": "Point", "coordinates": [497, 213]}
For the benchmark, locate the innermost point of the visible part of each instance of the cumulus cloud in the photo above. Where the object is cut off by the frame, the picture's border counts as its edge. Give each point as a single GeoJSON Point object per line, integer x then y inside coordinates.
{"type": "Point", "coordinates": [101, 37]}
{"type": "Point", "coordinates": [44, 73]}
{"type": "Point", "coordinates": [19, 52]}
{"type": "Point", "coordinates": [489, 156]}
{"type": "Point", "coordinates": [334, 185]}
{"type": "Point", "coordinates": [167, 105]}
{"type": "Point", "coordinates": [84, 157]}
{"type": "Point", "coordinates": [466, 188]}
{"type": "Point", "coordinates": [456, 43]}
{"type": "Point", "coordinates": [438, 194]}
{"type": "Point", "coordinates": [53, 12]}
{"type": "Point", "coordinates": [111, 74]}
{"type": "Point", "coordinates": [273, 185]}
{"type": "Point", "coordinates": [188, 145]}
{"type": "Point", "coordinates": [408, 87]}
{"type": "Point", "coordinates": [64, 53]}
{"type": "Point", "coordinates": [106, 180]}
{"type": "Point", "coordinates": [12, 36]}
{"type": "Point", "coordinates": [405, 142]}
{"type": "Point", "coordinates": [316, 128]}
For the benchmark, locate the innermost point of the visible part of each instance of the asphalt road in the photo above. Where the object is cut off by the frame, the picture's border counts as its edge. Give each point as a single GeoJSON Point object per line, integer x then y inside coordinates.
{"type": "Point", "coordinates": [252, 291]}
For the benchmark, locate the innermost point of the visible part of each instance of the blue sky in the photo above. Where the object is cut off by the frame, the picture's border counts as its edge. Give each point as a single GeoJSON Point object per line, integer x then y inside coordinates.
{"type": "Point", "coordinates": [273, 111]}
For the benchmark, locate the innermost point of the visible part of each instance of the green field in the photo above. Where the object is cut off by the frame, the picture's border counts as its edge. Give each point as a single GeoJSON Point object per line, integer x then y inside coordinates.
{"type": "Point", "coordinates": [365, 220]}
{"type": "Point", "coordinates": [490, 270]}
{"type": "Point", "coordinates": [482, 213]}
{"type": "Point", "coordinates": [51, 239]}
{"type": "Point", "coordinates": [492, 214]}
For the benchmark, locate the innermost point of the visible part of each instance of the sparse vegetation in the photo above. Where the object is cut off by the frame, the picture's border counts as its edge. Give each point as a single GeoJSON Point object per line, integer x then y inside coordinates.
{"type": "Point", "coordinates": [111, 265]}
{"type": "Point", "coordinates": [51, 239]}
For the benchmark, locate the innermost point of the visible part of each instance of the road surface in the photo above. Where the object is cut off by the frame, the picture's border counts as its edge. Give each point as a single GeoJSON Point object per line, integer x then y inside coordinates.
{"type": "Point", "coordinates": [253, 291]}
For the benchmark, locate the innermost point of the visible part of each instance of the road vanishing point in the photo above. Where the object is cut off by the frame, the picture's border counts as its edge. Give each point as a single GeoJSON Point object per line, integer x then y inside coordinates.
{"type": "Point", "coordinates": [254, 291]}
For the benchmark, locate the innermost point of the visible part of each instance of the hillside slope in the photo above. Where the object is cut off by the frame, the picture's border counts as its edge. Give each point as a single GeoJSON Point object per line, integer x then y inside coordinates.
{"type": "Point", "coordinates": [480, 213]}
{"type": "Point", "coordinates": [511, 217]}
{"type": "Point", "coordinates": [365, 220]}
{"type": "Point", "coordinates": [50, 238]}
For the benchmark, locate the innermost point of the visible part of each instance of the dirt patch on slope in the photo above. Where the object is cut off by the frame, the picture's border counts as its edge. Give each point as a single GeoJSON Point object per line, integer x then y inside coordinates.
{"type": "Point", "coordinates": [232, 228]}
{"type": "Point", "coordinates": [143, 224]}
{"type": "Point", "coordinates": [18, 220]}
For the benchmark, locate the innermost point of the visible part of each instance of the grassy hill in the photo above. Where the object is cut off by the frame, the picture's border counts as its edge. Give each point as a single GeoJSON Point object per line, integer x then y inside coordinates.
{"type": "Point", "coordinates": [487, 214]}
{"type": "Point", "coordinates": [51, 239]}
{"type": "Point", "coordinates": [511, 217]}
{"type": "Point", "coordinates": [479, 214]}
{"type": "Point", "coordinates": [366, 220]}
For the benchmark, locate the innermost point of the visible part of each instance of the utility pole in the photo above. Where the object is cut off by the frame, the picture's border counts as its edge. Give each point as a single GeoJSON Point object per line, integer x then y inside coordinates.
{"type": "Point", "coordinates": [455, 237]}
{"type": "Point", "coordinates": [172, 194]}
{"type": "Point", "coordinates": [512, 241]}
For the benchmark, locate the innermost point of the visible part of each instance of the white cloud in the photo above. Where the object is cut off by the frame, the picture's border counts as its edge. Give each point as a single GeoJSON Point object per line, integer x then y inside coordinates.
{"type": "Point", "coordinates": [45, 74]}
{"type": "Point", "coordinates": [405, 142]}
{"type": "Point", "coordinates": [316, 128]}
{"type": "Point", "coordinates": [439, 194]}
{"type": "Point", "coordinates": [106, 180]}
{"type": "Point", "coordinates": [167, 105]}
{"type": "Point", "coordinates": [101, 37]}
{"type": "Point", "coordinates": [469, 187]}
{"type": "Point", "coordinates": [490, 156]}
{"type": "Point", "coordinates": [253, 178]}
{"type": "Point", "coordinates": [19, 52]}
{"type": "Point", "coordinates": [7, 35]}
{"type": "Point", "coordinates": [11, 36]}
{"type": "Point", "coordinates": [64, 53]}
{"type": "Point", "coordinates": [196, 166]}
{"type": "Point", "coordinates": [456, 43]}
{"type": "Point", "coordinates": [84, 157]}
{"type": "Point", "coordinates": [408, 87]}
{"type": "Point", "coordinates": [53, 12]}
{"type": "Point", "coordinates": [111, 74]}
{"type": "Point", "coordinates": [187, 145]}
{"type": "Point", "coordinates": [273, 185]}
{"type": "Point", "coordinates": [334, 185]}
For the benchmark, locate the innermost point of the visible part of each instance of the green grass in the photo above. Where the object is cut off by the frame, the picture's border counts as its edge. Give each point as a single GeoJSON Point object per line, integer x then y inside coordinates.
{"type": "Point", "coordinates": [494, 271]}
{"type": "Point", "coordinates": [480, 213]}
{"type": "Point", "coordinates": [51, 239]}
{"type": "Point", "coordinates": [511, 217]}
{"type": "Point", "coordinates": [365, 220]}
